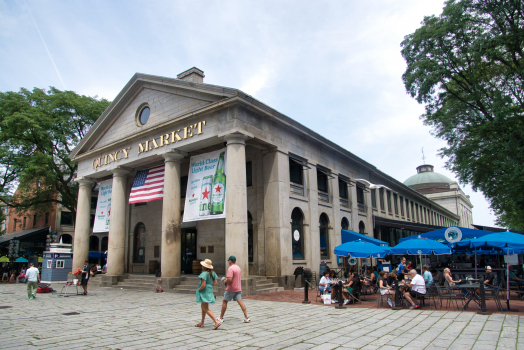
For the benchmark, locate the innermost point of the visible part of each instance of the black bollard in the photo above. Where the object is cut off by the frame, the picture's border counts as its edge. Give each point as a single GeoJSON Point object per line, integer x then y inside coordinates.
{"type": "Point", "coordinates": [482, 295]}
{"type": "Point", "coordinates": [306, 289]}
{"type": "Point", "coordinates": [397, 297]}
{"type": "Point", "coordinates": [340, 298]}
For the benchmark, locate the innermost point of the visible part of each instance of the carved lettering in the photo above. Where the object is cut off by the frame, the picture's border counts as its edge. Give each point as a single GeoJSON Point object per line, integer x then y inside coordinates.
{"type": "Point", "coordinates": [141, 149]}
{"type": "Point", "coordinates": [175, 137]}
{"type": "Point", "coordinates": [155, 145]}
{"type": "Point", "coordinates": [199, 127]}
{"type": "Point", "coordinates": [164, 140]}
{"type": "Point", "coordinates": [111, 158]}
{"type": "Point", "coordinates": [187, 132]}
{"type": "Point", "coordinates": [126, 152]}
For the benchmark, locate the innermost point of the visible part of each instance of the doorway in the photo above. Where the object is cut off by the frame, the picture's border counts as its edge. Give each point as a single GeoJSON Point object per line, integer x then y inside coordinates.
{"type": "Point", "coordinates": [189, 249]}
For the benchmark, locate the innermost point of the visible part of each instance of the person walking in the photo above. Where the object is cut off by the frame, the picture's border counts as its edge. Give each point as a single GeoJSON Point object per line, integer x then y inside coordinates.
{"type": "Point", "coordinates": [204, 293]}
{"type": "Point", "coordinates": [33, 278]}
{"type": "Point", "coordinates": [233, 289]}
{"type": "Point", "coordinates": [86, 272]}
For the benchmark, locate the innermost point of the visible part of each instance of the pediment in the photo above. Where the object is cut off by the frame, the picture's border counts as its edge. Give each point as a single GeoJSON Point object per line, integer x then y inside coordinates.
{"type": "Point", "coordinates": [168, 100]}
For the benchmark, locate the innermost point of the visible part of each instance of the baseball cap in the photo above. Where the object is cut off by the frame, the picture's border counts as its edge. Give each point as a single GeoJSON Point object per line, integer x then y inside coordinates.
{"type": "Point", "coordinates": [488, 267]}
{"type": "Point", "coordinates": [232, 258]}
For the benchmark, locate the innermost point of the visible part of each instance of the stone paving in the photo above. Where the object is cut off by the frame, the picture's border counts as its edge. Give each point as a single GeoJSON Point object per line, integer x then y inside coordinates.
{"type": "Point", "coordinates": [123, 319]}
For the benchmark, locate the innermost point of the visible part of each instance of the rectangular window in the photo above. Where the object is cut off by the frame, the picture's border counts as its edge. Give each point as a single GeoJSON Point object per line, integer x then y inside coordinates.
{"type": "Point", "coordinates": [46, 219]}
{"type": "Point", "coordinates": [360, 195]}
{"type": "Point", "coordinates": [60, 264]}
{"type": "Point", "coordinates": [66, 218]}
{"type": "Point", "coordinates": [296, 171]}
{"type": "Point", "coordinates": [183, 186]}
{"type": "Point", "coordinates": [322, 181]}
{"type": "Point", "coordinates": [34, 221]}
{"type": "Point", "coordinates": [14, 224]}
{"type": "Point", "coordinates": [249, 174]}
{"type": "Point", "coordinates": [416, 210]}
{"type": "Point", "coordinates": [388, 195]}
{"type": "Point", "coordinates": [381, 198]}
{"type": "Point", "coordinates": [412, 211]}
{"type": "Point", "coordinates": [374, 198]}
{"type": "Point", "coordinates": [25, 221]}
{"type": "Point", "coordinates": [342, 189]}
{"type": "Point", "coordinates": [49, 264]}
{"type": "Point", "coordinates": [395, 203]}
{"type": "Point", "coordinates": [425, 216]}
{"type": "Point", "coordinates": [401, 206]}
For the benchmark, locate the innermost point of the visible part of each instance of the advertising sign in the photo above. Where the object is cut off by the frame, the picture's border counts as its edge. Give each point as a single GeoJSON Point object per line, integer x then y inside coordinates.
{"type": "Point", "coordinates": [206, 187]}
{"type": "Point", "coordinates": [103, 207]}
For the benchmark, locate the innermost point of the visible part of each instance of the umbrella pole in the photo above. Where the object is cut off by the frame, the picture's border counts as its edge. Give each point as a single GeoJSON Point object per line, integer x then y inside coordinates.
{"type": "Point", "coordinates": [476, 264]}
{"type": "Point", "coordinates": [507, 277]}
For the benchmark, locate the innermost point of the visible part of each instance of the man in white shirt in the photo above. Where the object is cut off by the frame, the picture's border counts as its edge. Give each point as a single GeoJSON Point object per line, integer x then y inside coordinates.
{"type": "Point", "coordinates": [33, 277]}
{"type": "Point", "coordinates": [418, 288]}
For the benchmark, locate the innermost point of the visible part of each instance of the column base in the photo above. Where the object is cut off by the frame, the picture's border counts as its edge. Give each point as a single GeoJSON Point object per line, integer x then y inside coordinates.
{"type": "Point", "coordinates": [169, 283]}
{"type": "Point", "coordinates": [108, 281]}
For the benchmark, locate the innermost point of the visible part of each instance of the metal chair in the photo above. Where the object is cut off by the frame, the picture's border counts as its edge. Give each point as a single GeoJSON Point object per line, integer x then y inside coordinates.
{"type": "Point", "coordinates": [494, 294]}
{"type": "Point", "coordinates": [432, 292]}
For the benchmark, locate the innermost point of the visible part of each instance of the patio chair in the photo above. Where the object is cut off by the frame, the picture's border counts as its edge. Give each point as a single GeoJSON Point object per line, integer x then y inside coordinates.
{"type": "Point", "coordinates": [504, 286]}
{"type": "Point", "coordinates": [432, 292]}
{"type": "Point", "coordinates": [447, 293]}
{"type": "Point", "coordinates": [494, 294]}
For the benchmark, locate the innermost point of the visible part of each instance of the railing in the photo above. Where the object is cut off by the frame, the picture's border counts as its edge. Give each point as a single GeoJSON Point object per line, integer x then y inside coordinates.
{"type": "Point", "coordinates": [323, 197]}
{"type": "Point", "coordinates": [362, 207]}
{"type": "Point", "coordinates": [297, 189]}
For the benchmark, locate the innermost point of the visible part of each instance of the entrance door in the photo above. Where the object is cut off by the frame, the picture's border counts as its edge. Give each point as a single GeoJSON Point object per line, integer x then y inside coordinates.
{"type": "Point", "coordinates": [189, 249]}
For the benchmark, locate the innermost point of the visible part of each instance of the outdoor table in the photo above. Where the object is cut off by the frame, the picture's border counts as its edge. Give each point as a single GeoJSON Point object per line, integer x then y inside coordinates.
{"type": "Point", "coordinates": [472, 296]}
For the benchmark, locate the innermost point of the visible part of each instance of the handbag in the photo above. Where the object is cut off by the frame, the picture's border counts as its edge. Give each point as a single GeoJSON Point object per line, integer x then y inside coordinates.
{"type": "Point", "coordinates": [327, 299]}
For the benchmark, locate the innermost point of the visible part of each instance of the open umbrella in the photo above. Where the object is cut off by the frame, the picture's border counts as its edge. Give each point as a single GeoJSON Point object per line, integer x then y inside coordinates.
{"type": "Point", "coordinates": [21, 260]}
{"type": "Point", "coordinates": [4, 259]}
{"type": "Point", "coordinates": [420, 246]}
{"type": "Point", "coordinates": [40, 259]}
{"type": "Point", "coordinates": [505, 240]}
{"type": "Point", "coordinates": [361, 249]}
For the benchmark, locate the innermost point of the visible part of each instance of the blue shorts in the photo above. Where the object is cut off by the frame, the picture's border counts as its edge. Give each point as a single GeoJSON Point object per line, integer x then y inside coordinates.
{"type": "Point", "coordinates": [323, 288]}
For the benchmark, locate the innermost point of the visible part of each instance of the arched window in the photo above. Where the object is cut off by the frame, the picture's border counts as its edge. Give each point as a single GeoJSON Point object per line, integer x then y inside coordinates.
{"type": "Point", "coordinates": [324, 236]}
{"type": "Point", "coordinates": [250, 237]}
{"type": "Point", "coordinates": [93, 243]}
{"type": "Point", "coordinates": [345, 224]}
{"type": "Point", "coordinates": [297, 234]}
{"type": "Point", "coordinates": [67, 239]}
{"type": "Point", "coordinates": [139, 251]}
{"type": "Point", "coordinates": [103, 248]}
{"type": "Point", "coordinates": [361, 227]}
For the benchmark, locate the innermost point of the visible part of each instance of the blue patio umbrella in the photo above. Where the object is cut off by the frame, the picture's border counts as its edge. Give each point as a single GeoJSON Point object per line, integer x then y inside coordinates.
{"type": "Point", "coordinates": [21, 260]}
{"type": "Point", "coordinates": [420, 246]}
{"type": "Point", "coordinates": [361, 249]}
{"type": "Point", "coordinates": [505, 240]}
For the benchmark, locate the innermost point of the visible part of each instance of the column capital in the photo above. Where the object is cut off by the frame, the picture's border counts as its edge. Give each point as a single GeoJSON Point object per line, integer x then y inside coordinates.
{"type": "Point", "coordinates": [236, 135]}
{"type": "Point", "coordinates": [84, 181]}
{"type": "Point", "coordinates": [173, 155]}
{"type": "Point", "coordinates": [120, 172]}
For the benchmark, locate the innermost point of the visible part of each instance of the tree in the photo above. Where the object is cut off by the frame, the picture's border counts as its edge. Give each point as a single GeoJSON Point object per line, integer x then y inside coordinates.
{"type": "Point", "coordinates": [467, 67]}
{"type": "Point", "coordinates": [38, 131]}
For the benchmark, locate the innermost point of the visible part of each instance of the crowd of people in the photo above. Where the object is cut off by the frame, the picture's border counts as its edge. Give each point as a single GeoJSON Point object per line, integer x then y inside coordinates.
{"type": "Point", "coordinates": [12, 274]}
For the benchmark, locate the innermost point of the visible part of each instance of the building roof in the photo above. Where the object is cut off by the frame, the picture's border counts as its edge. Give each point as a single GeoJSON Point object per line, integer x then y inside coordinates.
{"type": "Point", "coordinates": [426, 175]}
{"type": "Point", "coordinates": [22, 234]}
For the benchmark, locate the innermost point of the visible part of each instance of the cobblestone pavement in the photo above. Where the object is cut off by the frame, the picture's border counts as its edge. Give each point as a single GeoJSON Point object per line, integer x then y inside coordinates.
{"type": "Point", "coordinates": [122, 319]}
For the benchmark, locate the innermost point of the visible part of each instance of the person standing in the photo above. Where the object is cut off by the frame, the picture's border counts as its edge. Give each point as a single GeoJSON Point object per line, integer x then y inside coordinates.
{"type": "Point", "coordinates": [204, 293]}
{"type": "Point", "coordinates": [86, 272]}
{"type": "Point", "coordinates": [233, 289]}
{"type": "Point", "coordinates": [33, 278]}
{"type": "Point", "coordinates": [401, 269]}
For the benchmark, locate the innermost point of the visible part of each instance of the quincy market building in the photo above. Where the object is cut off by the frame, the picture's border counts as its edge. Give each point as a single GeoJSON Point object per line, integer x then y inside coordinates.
{"type": "Point", "coordinates": [289, 193]}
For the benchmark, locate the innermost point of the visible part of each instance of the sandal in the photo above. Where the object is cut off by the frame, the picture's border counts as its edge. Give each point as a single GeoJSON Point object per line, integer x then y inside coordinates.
{"type": "Point", "coordinates": [199, 325]}
{"type": "Point", "coordinates": [217, 325]}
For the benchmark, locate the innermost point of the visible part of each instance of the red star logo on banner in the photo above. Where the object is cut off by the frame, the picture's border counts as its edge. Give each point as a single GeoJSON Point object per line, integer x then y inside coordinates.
{"type": "Point", "coordinates": [193, 195]}
{"type": "Point", "coordinates": [218, 188]}
{"type": "Point", "coordinates": [205, 194]}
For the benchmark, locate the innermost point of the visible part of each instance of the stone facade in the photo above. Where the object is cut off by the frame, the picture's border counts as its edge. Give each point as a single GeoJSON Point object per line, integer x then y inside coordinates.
{"type": "Point", "coordinates": [190, 118]}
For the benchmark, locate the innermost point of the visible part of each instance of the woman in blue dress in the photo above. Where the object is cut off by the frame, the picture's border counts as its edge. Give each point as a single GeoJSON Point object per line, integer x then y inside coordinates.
{"type": "Point", "coordinates": [204, 294]}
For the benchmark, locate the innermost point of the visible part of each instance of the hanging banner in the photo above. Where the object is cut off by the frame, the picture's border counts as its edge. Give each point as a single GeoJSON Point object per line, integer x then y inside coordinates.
{"type": "Point", "coordinates": [206, 187]}
{"type": "Point", "coordinates": [103, 207]}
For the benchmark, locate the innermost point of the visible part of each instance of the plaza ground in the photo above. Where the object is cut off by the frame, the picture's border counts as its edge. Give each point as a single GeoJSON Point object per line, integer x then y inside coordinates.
{"type": "Point", "coordinates": [110, 318]}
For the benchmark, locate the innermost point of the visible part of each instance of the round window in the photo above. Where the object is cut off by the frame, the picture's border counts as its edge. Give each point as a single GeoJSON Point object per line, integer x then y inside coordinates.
{"type": "Point", "coordinates": [144, 115]}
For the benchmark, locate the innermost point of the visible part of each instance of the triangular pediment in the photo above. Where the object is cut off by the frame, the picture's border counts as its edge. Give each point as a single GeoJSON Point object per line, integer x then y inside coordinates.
{"type": "Point", "coordinates": [168, 100]}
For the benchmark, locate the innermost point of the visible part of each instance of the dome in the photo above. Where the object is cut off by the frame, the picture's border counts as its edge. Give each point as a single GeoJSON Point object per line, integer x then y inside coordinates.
{"type": "Point", "coordinates": [426, 175]}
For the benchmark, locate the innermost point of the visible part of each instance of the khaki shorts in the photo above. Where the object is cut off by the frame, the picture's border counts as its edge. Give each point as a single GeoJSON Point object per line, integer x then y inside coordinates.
{"type": "Point", "coordinates": [236, 296]}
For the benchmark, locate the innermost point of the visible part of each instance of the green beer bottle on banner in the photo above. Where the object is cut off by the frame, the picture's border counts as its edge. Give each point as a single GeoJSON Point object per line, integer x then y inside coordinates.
{"type": "Point", "coordinates": [219, 188]}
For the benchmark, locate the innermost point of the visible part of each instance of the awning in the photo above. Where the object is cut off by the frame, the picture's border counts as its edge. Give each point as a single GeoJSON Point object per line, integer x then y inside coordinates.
{"type": "Point", "coordinates": [95, 255]}
{"type": "Point", "coordinates": [450, 234]}
{"type": "Point", "coordinates": [351, 236]}
{"type": "Point", "coordinates": [19, 235]}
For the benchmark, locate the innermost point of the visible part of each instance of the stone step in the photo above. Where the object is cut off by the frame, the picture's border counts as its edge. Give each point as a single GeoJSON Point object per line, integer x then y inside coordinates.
{"type": "Point", "coordinates": [266, 285]}
{"type": "Point", "coordinates": [140, 277]}
{"type": "Point", "coordinates": [270, 290]}
{"type": "Point", "coordinates": [146, 288]}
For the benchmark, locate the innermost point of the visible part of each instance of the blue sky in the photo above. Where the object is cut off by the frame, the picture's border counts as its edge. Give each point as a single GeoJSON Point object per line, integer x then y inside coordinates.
{"type": "Point", "coordinates": [333, 66]}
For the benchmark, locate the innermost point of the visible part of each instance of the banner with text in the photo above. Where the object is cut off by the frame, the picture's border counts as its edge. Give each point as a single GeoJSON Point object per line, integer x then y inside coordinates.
{"type": "Point", "coordinates": [206, 187]}
{"type": "Point", "coordinates": [103, 207]}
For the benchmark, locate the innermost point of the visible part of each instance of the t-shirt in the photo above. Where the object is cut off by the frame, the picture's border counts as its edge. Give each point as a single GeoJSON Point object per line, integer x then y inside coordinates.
{"type": "Point", "coordinates": [418, 284]}
{"type": "Point", "coordinates": [235, 274]}
{"type": "Point", "coordinates": [325, 281]}
{"type": "Point", "coordinates": [429, 277]}
{"type": "Point", "coordinates": [511, 274]}
{"type": "Point", "coordinates": [400, 268]}
{"type": "Point", "coordinates": [391, 280]}
{"type": "Point", "coordinates": [32, 274]}
{"type": "Point", "coordinates": [489, 277]}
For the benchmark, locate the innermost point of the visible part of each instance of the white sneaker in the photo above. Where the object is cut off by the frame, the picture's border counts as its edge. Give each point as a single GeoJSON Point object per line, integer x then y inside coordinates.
{"type": "Point", "coordinates": [347, 302]}
{"type": "Point", "coordinates": [390, 302]}
{"type": "Point", "coordinates": [246, 320]}
{"type": "Point", "coordinates": [221, 320]}
{"type": "Point", "coordinates": [334, 301]}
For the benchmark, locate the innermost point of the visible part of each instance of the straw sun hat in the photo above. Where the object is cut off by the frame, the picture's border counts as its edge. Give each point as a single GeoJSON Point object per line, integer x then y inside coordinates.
{"type": "Point", "coordinates": [207, 263]}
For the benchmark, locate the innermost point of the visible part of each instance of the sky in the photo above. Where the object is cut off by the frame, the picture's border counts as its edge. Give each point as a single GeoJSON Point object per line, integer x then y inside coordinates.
{"type": "Point", "coordinates": [335, 67]}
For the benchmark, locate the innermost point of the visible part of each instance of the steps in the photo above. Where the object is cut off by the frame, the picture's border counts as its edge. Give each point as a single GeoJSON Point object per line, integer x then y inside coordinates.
{"type": "Point", "coordinates": [188, 285]}
{"type": "Point", "coordinates": [137, 282]}
{"type": "Point", "coordinates": [266, 285]}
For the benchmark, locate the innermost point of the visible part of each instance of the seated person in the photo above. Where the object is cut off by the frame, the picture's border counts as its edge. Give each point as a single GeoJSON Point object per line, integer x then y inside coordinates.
{"type": "Point", "coordinates": [324, 285]}
{"type": "Point", "coordinates": [490, 276]}
{"type": "Point", "coordinates": [449, 279]}
{"type": "Point", "coordinates": [392, 277]}
{"type": "Point", "coordinates": [438, 277]}
{"type": "Point", "coordinates": [352, 288]}
{"type": "Point", "coordinates": [385, 289]}
{"type": "Point", "coordinates": [410, 266]}
{"type": "Point", "coordinates": [368, 278]}
{"type": "Point", "coordinates": [418, 289]}
{"type": "Point", "coordinates": [428, 278]}
{"type": "Point", "coordinates": [513, 280]}
{"type": "Point", "coordinates": [376, 273]}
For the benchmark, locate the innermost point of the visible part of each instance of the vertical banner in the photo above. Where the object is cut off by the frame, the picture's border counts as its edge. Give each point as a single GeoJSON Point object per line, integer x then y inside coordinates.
{"type": "Point", "coordinates": [103, 207]}
{"type": "Point", "coordinates": [206, 187]}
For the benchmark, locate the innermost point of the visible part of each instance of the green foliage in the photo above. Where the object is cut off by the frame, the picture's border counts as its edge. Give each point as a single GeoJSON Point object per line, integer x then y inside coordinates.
{"type": "Point", "coordinates": [38, 131]}
{"type": "Point", "coordinates": [467, 67]}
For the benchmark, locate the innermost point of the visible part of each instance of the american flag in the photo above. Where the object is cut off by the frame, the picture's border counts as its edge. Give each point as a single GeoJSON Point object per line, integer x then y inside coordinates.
{"type": "Point", "coordinates": [148, 185]}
